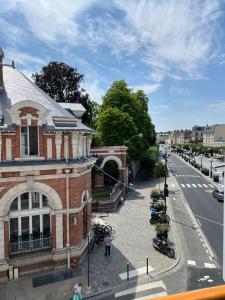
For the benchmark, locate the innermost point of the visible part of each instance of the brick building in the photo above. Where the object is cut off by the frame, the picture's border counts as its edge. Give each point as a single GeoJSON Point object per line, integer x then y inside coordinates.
{"type": "Point", "coordinates": [45, 178]}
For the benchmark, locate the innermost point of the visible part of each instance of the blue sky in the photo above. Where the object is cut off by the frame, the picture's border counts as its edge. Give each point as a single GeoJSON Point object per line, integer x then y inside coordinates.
{"type": "Point", "coordinates": [173, 50]}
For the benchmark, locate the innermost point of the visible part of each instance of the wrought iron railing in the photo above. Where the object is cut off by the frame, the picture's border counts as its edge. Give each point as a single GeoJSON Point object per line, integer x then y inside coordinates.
{"type": "Point", "coordinates": [30, 245]}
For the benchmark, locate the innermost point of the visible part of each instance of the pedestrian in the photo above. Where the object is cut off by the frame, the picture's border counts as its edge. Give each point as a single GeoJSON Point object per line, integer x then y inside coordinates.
{"type": "Point", "coordinates": [107, 242]}
{"type": "Point", "coordinates": [75, 293]}
{"type": "Point", "coordinates": [79, 291]}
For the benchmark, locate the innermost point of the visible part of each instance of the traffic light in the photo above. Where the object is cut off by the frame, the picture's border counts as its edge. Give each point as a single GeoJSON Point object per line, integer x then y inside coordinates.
{"type": "Point", "coordinates": [166, 191]}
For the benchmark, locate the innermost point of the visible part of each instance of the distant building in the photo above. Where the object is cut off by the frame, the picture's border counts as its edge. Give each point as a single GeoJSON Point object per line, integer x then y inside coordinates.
{"type": "Point", "coordinates": [197, 134]}
{"type": "Point", "coordinates": [45, 178]}
{"type": "Point", "coordinates": [214, 135]}
{"type": "Point", "coordinates": [162, 138]}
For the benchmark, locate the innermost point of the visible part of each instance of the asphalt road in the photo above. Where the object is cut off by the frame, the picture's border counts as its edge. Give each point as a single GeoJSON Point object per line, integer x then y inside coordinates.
{"type": "Point", "coordinates": [198, 194]}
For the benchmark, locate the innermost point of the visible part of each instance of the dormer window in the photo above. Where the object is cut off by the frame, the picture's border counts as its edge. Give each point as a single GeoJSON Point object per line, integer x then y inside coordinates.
{"type": "Point", "coordinates": [29, 140]}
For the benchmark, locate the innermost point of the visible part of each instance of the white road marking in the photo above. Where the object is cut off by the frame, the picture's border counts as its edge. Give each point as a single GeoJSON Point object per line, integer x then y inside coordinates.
{"type": "Point", "coordinates": [188, 185]}
{"type": "Point", "coordinates": [191, 262]}
{"type": "Point", "coordinates": [183, 186]}
{"type": "Point", "coordinates": [194, 185]}
{"type": "Point", "coordinates": [135, 272]}
{"type": "Point", "coordinates": [198, 184]}
{"type": "Point", "coordinates": [156, 295]}
{"type": "Point", "coordinates": [212, 186]}
{"type": "Point", "coordinates": [207, 265]}
{"type": "Point", "coordinates": [141, 288]}
{"type": "Point", "coordinates": [205, 185]}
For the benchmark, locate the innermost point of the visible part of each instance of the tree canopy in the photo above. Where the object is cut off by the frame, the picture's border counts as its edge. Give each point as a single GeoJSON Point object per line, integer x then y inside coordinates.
{"type": "Point", "coordinates": [123, 114]}
{"type": "Point", "coordinates": [62, 83]}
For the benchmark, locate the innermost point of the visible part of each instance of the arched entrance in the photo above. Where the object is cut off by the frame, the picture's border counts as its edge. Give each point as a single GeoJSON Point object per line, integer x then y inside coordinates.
{"type": "Point", "coordinates": [111, 168]}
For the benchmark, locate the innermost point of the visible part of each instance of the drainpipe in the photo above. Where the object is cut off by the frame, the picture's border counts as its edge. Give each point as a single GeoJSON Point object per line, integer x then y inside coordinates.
{"type": "Point", "coordinates": [67, 218]}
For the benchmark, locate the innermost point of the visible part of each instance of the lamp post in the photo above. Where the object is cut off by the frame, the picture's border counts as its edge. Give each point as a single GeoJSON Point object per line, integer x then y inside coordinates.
{"type": "Point", "coordinates": [210, 160]}
{"type": "Point", "coordinates": [165, 183]}
{"type": "Point", "coordinates": [201, 160]}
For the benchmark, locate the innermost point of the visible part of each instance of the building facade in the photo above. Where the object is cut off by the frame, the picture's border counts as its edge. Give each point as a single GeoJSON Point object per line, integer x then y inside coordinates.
{"type": "Point", "coordinates": [197, 134]}
{"type": "Point", "coordinates": [214, 135]}
{"type": "Point", "coordinates": [45, 178]}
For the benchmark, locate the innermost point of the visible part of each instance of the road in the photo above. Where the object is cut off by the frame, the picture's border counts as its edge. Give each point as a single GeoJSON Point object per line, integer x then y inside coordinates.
{"type": "Point", "coordinates": [198, 194]}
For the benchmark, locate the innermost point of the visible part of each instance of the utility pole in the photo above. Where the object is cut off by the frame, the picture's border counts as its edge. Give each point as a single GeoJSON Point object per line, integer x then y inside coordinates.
{"type": "Point", "coordinates": [165, 183]}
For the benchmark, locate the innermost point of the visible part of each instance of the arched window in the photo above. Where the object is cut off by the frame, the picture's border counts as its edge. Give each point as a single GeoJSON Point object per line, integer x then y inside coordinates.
{"type": "Point", "coordinates": [30, 223]}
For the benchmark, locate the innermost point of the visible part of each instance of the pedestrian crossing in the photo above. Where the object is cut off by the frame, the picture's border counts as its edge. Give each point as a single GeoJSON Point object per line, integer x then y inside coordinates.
{"type": "Point", "coordinates": [186, 175]}
{"type": "Point", "coordinates": [144, 291]}
{"type": "Point", "coordinates": [196, 185]}
{"type": "Point", "coordinates": [197, 264]}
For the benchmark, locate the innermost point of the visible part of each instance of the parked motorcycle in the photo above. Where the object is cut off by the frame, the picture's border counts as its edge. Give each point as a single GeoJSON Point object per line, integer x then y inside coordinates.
{"type": "Point", "coordinates": [161, 217]}
{"type": "Point", "coordinates": [162, 246]}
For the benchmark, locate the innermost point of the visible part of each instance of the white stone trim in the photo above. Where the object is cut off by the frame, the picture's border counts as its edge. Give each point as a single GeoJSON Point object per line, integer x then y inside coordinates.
{"type": "Point", "coordinates": [10, 195]}
{"type": "Point", "coordinates": [58, 143]}
{"type": "Point", "coordinates": [2, 240]}
{"type": "Point", "coordinates": [8, 146]}
{"type": "Point", "coordinates": [75, 142]}
{"type": "Point", "coordinates": [59, 230]}
{"type": "Point", "coordinates": [85, 193]}
{"type": "Point", "coordinates": [44, 177]}
{"type": "Point", "coordinates": [112, 157]}
{"type": "Point", "coordinates": [14, 111]}
{"type": "Point", "coordinates": [66, 148]}
{"type": "Point", "coordinates": [49, 148]}
{"type": "Point", "coordinates": [80, 145]}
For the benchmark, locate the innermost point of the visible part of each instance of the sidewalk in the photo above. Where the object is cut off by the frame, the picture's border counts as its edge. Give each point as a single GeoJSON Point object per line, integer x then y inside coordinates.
{"type": "Point", "coordinates": [132, 244]}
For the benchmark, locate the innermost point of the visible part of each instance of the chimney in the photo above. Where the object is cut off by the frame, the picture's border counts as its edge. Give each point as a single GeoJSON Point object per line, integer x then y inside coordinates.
{"type": "Point", "coordinates": [1, 69]}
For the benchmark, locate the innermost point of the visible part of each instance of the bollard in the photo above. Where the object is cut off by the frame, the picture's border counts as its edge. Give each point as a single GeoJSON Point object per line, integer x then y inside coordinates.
{"type": "Point", "coordinates": [147, 265]}
{"type": "Point", "coordinates": [128, 271]}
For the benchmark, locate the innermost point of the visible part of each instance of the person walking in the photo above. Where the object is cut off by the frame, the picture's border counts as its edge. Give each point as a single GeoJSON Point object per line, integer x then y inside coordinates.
{"type": "Point", "coordinates": [107, 242]}
{"type": "Point", "coordinates": [79, 291]}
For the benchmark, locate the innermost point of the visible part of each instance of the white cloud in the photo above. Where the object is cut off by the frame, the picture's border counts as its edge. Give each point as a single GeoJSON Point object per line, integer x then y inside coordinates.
{"type": "Point", "coordinates": [177, 35]}
{"type": "Point", "coordinates": [23, 58]}
{"type": "Point", "coordinates": [52, 22]}
{"type": "Point", "coordinates": [177, 91]}
{"type": "Point", "coordinates": [108, 32]}
{"type": "Point", "coordinates": [217, 106]}
{"type": "Point", "coordinates": [147, 88]}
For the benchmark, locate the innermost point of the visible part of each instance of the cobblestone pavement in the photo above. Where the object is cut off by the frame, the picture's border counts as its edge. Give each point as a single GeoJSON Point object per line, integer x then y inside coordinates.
{"type": "Point", "coordinates": [132, 242]}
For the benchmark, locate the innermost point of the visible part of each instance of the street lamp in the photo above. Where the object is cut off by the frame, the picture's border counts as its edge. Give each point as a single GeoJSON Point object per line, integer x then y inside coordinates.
{"type": "Point", "coordinates": [210, 160]}
{"type": "Point", "coordinates": [126, 141]}
{"type": "Point", "coordinates": [201, 160]}
{"type": "Point", "coordinates": [166, 193]}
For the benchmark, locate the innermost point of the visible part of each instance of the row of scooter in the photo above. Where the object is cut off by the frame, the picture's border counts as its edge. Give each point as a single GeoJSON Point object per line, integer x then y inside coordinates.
{"type": "Point", "coordinates": [161, 220]}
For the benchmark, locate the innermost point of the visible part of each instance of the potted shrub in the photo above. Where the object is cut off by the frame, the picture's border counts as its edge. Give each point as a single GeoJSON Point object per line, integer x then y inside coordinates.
{"type": "Point", "coordinates": [205, 171]}
{"type": "Point", "coordinates": [155, 193]}
{"type": "Point", "coordinates": [162, 230]}
{"type": "Point", "coordinates": [197, 166]}
{"type": "Point", "coordinates": [216, 178]}
{"type": "Point", "coordinates": [160, 206]}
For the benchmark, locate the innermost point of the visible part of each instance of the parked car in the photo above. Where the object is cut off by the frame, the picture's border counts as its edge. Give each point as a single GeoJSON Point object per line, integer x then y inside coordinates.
{"type": "Point", "coordinates": [218, 193]}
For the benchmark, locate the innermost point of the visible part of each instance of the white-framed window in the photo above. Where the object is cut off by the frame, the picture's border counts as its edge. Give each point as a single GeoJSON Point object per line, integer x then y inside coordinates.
{"type": "Point", "coordinates": [29, 223]}
{"type": "Point", "coordinates": [29, 140]}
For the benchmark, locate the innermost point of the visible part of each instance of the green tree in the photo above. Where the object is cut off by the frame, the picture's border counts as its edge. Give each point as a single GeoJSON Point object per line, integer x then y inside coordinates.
{"type": "Point", "coordinates": [62, 83]}
{"type": "Point", "coordinates": [115, 126]}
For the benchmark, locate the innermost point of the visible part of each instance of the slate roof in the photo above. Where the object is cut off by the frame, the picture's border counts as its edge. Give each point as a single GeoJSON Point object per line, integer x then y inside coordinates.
{"type": "Point", "coordinates": [17, 87]}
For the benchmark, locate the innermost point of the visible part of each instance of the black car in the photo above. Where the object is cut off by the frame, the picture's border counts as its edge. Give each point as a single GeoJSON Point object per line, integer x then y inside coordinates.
{"type": "Point", "coordinates": [218, 194]}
